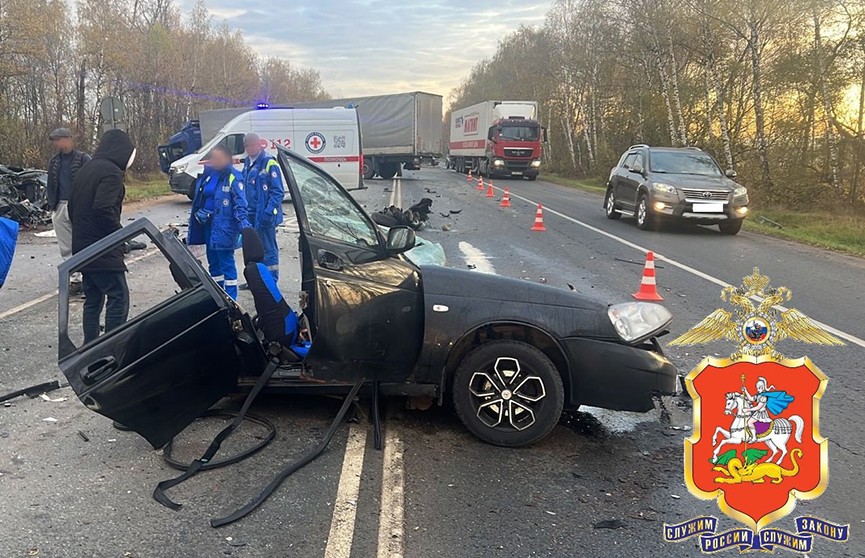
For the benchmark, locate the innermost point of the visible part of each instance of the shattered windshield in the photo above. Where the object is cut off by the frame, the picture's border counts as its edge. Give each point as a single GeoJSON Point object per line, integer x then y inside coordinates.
{"type": "Point", "coordinates": [329, 209]}
{"type": "Point", "coordinates": [519, 133]}
{"type": "Point", "coordinates": [674, 162]}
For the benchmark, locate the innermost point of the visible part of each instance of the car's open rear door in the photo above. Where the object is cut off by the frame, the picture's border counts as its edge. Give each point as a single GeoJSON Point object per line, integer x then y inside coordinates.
{"type": "Point", "coordinates": [164, 367]}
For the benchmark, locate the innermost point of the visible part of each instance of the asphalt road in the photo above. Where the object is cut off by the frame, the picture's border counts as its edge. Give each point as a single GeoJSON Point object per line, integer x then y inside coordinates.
{"type": "Point", "coordinates": [435, 490]}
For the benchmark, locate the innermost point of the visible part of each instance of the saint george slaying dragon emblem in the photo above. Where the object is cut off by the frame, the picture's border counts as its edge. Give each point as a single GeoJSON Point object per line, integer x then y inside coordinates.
{"type": "Point", "coordinates": [756, 445]}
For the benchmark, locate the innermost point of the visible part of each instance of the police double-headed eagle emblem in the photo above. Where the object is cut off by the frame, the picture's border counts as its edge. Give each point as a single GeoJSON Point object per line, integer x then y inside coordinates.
{"type": "Point", "coordinates": [756, 327]}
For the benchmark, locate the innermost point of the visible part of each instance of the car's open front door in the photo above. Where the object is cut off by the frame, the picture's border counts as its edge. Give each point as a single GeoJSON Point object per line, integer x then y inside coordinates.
{"type": "Point", "coordinates": [365, 306]}
{"type": "Point", "coordinates": [172, 359]}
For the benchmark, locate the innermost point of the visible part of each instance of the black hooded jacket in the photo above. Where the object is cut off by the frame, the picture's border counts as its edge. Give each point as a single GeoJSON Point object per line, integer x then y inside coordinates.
{"type": "Point", "coordinates": [97, 199]}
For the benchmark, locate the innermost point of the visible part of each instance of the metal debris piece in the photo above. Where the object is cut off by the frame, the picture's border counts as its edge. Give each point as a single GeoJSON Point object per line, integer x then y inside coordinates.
{"type": "Point", "coordinates": [610, 524]}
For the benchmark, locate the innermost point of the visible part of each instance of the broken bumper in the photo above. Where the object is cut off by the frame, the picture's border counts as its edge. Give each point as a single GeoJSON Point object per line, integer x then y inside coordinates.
{"type": "Point", "coordinates": [618, 377]}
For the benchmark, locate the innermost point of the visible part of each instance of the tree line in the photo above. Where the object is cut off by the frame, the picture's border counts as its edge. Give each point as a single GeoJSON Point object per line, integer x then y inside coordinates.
{"type": "Point", "coordinates": [774, 89]}
{"type": "Point", "coordinates": [164, 65]}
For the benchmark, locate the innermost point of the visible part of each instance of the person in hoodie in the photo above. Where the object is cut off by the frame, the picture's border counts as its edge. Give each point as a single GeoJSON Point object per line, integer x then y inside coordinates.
{"type": "Point", "coordinates": [94, 209]}
{"type": "Point", "coordinates": [218, 214]}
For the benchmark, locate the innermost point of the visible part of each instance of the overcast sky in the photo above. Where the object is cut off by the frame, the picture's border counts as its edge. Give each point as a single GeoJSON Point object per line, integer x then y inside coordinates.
{"type": "Point", "coordinates": [365, 47]}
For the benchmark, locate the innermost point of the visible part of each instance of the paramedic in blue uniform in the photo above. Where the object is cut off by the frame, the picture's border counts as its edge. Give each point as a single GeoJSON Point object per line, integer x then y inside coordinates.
{"type": "Point", "coordinates": [264, 192]}
{"type": "Point", "coordinates": [218, 215]}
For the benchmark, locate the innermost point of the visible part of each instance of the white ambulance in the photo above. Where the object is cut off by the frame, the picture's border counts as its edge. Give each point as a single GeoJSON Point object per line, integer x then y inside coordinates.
{"type": "Point", "coordinates": [329, 137]}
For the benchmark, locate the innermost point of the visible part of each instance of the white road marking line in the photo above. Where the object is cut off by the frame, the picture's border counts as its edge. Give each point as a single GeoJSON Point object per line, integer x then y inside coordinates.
{"type": "Point", "coordinates": [396, 193]}
{"type": "Point", "coordinates": [49, 296]}
{"type": "Point", "coordinates": [341, 535]}
{"type": "Point", "coordinates": [392, 192]}
{"type": "Point", "coordinates": [475, 257]}
{"type": "Point", "coordinates": [26, 305]}
{"type": "Point", "coordinates": [391, 514]}
{"type": "Point", "coordinates": [696, 272]}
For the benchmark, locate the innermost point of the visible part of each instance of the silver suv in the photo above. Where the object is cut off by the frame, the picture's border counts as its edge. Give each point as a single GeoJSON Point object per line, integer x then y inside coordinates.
{"type": "Point", "coordinates": [685, 184]}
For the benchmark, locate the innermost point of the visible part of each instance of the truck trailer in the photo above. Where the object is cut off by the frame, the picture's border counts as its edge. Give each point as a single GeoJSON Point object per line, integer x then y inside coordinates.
{"type": "Point", "coordinates": [399, 131]}
{"type": "Point", "coordinates": [497, 138]}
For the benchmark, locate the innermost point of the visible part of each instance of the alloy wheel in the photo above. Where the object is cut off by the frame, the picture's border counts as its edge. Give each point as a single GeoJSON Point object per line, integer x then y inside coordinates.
{"type": "Point", "coordinates": [507, 395]}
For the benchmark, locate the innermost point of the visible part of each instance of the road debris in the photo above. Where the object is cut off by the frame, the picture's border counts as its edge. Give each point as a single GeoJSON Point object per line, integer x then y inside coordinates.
{"type": "Point", "coordinates": [32, 391]}
{"type": "Point", "coordinates": [49, 419]}
{"type": "Point", "coordinates": [45, 397]}
{"type": "Point", "coordinates": [610, 524]}
{"type": "Point", "coordinates": [415, 216]}
{"type": "Point", "coordinates": [83, 436]}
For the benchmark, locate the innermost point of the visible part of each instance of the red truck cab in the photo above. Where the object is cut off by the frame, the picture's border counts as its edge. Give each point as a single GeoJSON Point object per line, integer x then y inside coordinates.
{"type": "Point", "coordinates": [514, 147]}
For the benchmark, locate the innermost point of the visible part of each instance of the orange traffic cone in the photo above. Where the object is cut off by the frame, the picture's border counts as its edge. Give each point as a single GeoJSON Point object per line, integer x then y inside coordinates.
{"type": "Point", "coordinates": [648, 286]}
{"type": "Point", "coordinates": [469, 177]}
{"type": "Point", "coordinates": [490, 193]}
{"type": "Point", "coordinates": [506, 199]}
{"type": "Point", "coordinates": [539, 220]}
{"type": "Point", "coordinates": [480, 183]}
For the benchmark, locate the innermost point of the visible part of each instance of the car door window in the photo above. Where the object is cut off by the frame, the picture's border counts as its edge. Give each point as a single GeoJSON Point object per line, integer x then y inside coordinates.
{"type": "Point", "coordinates": [330, 211]}
{"type": "Point", "coordinates": [640, 161]}
{"type": "Point", "coordinates": [629, 160]}
{"type": "Point", "coordinates": [233, 142]}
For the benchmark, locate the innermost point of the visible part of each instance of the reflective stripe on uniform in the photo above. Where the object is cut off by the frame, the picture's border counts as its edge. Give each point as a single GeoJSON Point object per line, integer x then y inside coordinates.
{"type": "Point", "coordinates": [218, 278]}
{"type": "Point", "coordinates": [231, 283]}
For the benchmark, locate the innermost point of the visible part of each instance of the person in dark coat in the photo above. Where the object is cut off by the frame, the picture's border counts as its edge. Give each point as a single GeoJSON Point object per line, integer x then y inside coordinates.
{"type": "Point", "coordinates": [94, 208]}
{"type": "Point", "coordinates": [62, 168]}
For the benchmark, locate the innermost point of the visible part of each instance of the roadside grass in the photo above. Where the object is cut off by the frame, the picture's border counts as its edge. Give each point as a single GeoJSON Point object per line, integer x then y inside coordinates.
{"type": "Point", "coordinates": [142, 188]}
{"type": "Point", "coordinates": [843, 233]}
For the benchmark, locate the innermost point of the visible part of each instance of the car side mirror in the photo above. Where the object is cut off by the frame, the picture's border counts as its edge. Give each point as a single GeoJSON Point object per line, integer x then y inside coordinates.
{"type": "Point", "coordinates": [731, 173]}
{"type": "Point", "coordinates": [545, 135]}
{"type": "Point", "coordinates": [636, 168]}
{"type": "Point", "coordinates": [400, 239]}
{"type": "Point", "coordinates": [491, 134]}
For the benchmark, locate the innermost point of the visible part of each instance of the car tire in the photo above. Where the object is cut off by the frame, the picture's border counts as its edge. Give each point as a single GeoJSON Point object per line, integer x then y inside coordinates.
{"type": "Point", "coordinates": [610, 206]}
{"type": "Point", "coordinates": [731, 227]}
{"type": "Point", "coordinates": [645, 221]}
{"type": "Point", "coordinates": [532, 178]}
{"type": "Point", "coordinates": [368, 170]}
{"type": "Point", "coordinates": [488, 393]}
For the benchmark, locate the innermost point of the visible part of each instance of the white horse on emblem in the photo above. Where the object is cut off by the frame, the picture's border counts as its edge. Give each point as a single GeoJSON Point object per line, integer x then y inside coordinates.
{"type": "Point", "coordinates": [776, 439]}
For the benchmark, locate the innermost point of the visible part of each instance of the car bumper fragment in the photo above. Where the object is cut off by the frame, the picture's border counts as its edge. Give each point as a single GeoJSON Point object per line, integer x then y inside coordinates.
{"type": "Point", "coordinates": [616, 376]}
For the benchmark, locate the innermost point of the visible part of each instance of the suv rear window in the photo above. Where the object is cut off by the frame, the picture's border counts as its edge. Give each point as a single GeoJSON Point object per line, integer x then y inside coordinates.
{"type": "Point", "coordinates": [681, 162]}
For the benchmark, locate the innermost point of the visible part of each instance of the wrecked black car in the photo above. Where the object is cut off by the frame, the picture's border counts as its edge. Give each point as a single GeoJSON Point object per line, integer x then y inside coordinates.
{"type": "Point", "coordinates": [509, 354]}
{"type": "Point", "coordinates": [23, 195]}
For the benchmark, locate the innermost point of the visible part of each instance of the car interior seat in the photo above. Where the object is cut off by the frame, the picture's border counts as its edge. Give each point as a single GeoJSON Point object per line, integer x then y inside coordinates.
{"type": "Point", "coordinates": [276, 320]}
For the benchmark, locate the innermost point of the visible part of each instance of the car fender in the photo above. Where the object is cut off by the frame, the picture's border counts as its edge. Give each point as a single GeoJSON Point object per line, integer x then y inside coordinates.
{"type": "Point", "coordinates": [463, 305]}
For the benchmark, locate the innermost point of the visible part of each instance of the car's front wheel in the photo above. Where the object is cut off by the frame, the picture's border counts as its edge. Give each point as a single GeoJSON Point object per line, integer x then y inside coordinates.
{"type": "Point", "coordinates": [508, 393]}
{"type": "Point", "coordinates": [610, 206]}
{"type": "Point", "coordinates": [731, 227]}
{"type": "Point", "coordinates": [644, 218]}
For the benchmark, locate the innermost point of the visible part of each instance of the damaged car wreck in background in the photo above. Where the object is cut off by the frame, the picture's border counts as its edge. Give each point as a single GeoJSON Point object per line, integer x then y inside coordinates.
{"type": "Point", "coordinates": [23, 195]}
{"type": "Point", "coordinates": [510, 354]}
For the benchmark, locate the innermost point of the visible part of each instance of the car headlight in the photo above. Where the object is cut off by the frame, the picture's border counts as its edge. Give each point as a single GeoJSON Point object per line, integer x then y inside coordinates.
{"type": "Point", "coordinates": [740, 191]}
{"type": "Point", "coordinates": [666, 188]}
{"type": "Point", "coordinates": [536, 163]}
{"type": "Point", "coordinates": [498, 163]}
{"type": "Point", "coordinates": [637, 321]}
{"type": "Point", "coordinates": [178, 168]}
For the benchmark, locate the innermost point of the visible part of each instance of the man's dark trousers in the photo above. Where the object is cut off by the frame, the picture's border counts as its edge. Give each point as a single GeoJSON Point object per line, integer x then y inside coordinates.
{"type": "Point", "coordinates": [97, 286]}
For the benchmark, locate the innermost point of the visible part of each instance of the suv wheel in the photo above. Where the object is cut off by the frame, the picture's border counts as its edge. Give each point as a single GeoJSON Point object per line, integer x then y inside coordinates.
{"type": "Point", "coordinates": [731, 227]}
{"type": "Point", "coordinates": [644, 217]}
{"type": "Point", "coordinates": [508, 393]}
{"type": "Point", "coordinates": [610, 206]}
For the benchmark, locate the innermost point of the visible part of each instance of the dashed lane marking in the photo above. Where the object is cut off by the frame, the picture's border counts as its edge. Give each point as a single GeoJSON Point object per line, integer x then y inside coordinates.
{"type": "Point", "coordinates": [392, 513]}
{"type": "Point", "coordinates": [345, 507]}
{"type": "Point", "coordinates": [684, 267]}
{"type": "Point", "coordinates": [49, 296]}
{"type": "Point", "coordinates": [476, 259]}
